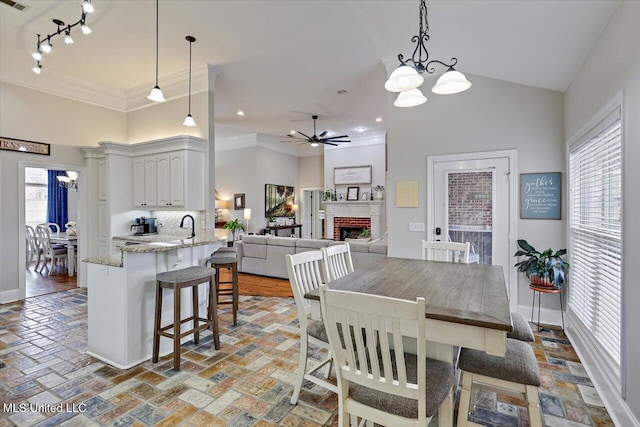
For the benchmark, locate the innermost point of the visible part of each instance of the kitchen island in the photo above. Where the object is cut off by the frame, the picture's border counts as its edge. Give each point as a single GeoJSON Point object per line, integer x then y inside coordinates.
{"type": "Point", "coordinates": [121, 295]}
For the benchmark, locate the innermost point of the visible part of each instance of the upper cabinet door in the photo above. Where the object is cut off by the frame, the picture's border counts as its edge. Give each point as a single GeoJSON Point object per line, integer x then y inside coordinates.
{"type": "Point", "coordinates": [164, 180]}
{"type": "Point", "coordinates": [177, 173]}
{"type": "Point", "coordinates": [138, 181]}
{"type": "Point", "coordinates": [150, 181]}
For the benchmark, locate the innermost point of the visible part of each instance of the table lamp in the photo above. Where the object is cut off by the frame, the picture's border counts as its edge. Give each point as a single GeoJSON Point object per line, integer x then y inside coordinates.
{"type": "Point", "coordinates": [247, 216]}
{"type": "Point", "coordinates": [294, 208]}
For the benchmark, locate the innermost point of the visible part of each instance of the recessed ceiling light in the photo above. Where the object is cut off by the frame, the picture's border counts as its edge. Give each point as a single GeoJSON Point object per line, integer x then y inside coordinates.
{"type": "Point", "coordinates": [379, 119]}
{"type": "Point", "coordinates": [292, 132]}
{"type": "Point", "coordinates": [361, 129]}
{"type": "Point", "coordinates": [240, 113]}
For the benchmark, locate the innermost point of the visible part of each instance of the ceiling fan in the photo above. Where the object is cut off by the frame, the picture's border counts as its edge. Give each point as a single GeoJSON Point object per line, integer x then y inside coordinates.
{"type": "Point", "coordinates": [316, 140]}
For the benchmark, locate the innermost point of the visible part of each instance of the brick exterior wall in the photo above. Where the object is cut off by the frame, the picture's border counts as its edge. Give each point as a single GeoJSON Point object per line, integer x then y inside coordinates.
{"type": "Point", "coordinates": [470, 199]}
{"type": "Point", "coordinates": [349, 222]}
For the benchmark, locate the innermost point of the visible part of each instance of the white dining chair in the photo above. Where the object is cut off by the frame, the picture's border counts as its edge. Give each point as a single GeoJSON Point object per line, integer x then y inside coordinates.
{"type": "Point", "coordinates": [48, 251]}
{"type": "Point", "coordinates": [446, 251]}
{"type": "Point", "coordinates": [51, 224]}
{"type": "Point", "coordinates": [378, 382]}
{"type": "Point", "coordinates": [337, 261]}
{"type": "Point", "coordinates": [305, 274]}
{"type": "Point", "coordinates": [33, 247]}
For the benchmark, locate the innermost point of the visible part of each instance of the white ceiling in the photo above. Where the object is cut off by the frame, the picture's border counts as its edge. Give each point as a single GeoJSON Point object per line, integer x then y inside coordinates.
{"type": "Point", "coordinates": [279, 58]}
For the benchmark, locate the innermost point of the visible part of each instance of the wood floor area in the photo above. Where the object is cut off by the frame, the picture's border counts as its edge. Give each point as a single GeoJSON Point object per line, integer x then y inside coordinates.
{"type": "Point", "coordinates": [259, 285]}
{"type": "Point", "coordinates": [41, 284]}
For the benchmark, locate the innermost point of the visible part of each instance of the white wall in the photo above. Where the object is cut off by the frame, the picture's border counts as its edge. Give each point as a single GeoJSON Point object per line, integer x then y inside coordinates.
{"type": "Point", "coordinates": [161, 120]}
{"type": "Point", "coordinates": [63, 123]}
{"type": "Point", "coordinates": [311, 172]}
{"type": "Point", "coordinates": [613, 66]}
{"type": "Point", "coordinates": [363, 155]}
{"type": "Point", "coordinates": [492, 115]}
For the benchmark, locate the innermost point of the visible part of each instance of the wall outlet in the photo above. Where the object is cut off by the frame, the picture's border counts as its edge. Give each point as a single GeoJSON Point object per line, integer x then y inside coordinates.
{"type": "Point", "coordinates": [416, 226]}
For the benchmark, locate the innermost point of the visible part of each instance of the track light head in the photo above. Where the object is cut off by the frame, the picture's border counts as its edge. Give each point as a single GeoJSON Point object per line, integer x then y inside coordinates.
{"type": "Point", "coordinates": [87, 6]}
{"type": "Point", "coordinates": [46, 46]}
{"type": "Point", "coordinates": [37, 55]}
{"type": "Point", "coordinates": [67, 37]}
{"type": "Point", "coordinates": [85, 29]}
{"type": "Point", "coordinates": [37, 69]}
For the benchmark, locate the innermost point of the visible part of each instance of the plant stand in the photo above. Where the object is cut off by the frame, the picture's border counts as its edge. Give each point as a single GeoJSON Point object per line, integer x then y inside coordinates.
{"type": "Point", "coordinates": [544, 290]}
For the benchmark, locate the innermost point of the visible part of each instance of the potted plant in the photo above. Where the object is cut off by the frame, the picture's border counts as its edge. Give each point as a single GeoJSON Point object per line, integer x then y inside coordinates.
{"type": "Point", "coordinates": [271, 221]}
{"type": "Point", "coordinates": [543, 268]}
{"type": "Point", "coordinates": [379, 191]}
{"type": "Point", "coordinates": [234, 226]}
{"type": "Point", "coordinates": [365, 234]}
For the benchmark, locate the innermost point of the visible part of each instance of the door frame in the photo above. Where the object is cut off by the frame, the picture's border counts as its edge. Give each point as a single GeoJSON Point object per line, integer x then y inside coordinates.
{"type": "Point", "coordinates": [304, 208]}
{"type": "Point", "coordinates": [512, 156]}
{"type": "Point", "coordinates": [82, 209]}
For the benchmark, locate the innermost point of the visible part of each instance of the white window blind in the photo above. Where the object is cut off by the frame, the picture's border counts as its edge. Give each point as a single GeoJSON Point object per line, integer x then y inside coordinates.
{"type": "Point", "coordinates": [595, 169]}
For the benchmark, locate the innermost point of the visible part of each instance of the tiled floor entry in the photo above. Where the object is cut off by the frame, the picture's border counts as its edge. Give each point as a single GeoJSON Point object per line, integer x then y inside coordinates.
{"type": "Point", "coordinates": [247, 383]}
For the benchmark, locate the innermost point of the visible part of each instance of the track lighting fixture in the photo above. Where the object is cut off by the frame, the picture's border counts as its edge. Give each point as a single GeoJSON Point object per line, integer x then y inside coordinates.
{"type": "Point", "coordinates": [188, 121]}
{"type": "Point", "coordinates": [44, 44]}
{"type": "Point", "coordinates": [407, 77]}
{"type": "Point", "coordinates": [156, 94]}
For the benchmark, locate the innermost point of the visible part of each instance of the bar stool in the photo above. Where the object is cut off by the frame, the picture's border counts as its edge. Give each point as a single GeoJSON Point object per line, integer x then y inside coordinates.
{"type": "Point", "coordinates": [177, 280]}
{"type": "Point", "coordinates": [226, 258]}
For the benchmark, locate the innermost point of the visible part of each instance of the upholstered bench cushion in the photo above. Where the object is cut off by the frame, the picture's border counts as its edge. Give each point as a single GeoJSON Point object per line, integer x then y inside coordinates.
{"type": "Point", "coordinates": [519, 364]}
{"type": "Point", "coordinates": [521, 329]}
{"type": "Point", "coordinates": [440, 376]}
{"type": "Point", "coordinates": [186, 275]}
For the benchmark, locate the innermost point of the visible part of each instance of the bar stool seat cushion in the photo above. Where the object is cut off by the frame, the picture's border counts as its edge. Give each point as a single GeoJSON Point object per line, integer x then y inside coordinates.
{"type": "Point", "coordinates": [518, 365]}
{"type": "Point", "coordinates": [521, 329]}
{"type": "Point", "coordinates": [223, 258]}
{"type": "Point", "coordinates": [186, 274]}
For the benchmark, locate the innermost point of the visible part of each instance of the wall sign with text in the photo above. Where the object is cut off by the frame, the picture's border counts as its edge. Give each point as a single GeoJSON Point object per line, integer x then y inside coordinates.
{"type": "Point", "coordinates": [540, 195]}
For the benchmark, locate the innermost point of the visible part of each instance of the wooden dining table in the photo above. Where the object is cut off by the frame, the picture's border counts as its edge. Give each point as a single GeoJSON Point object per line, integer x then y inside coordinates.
{"type": "Point", "coordinates": [70, 243]}
{"type": "Point", "coordinates": [467, 305]}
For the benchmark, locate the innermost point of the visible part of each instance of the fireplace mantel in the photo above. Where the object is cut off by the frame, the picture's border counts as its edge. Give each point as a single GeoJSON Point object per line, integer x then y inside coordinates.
{"type": "Point", "coordinates": [372, 209]}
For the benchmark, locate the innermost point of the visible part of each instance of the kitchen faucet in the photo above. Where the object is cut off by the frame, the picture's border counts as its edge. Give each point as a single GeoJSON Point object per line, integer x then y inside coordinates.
{"type": "Point", "coordinates": [193, 225]}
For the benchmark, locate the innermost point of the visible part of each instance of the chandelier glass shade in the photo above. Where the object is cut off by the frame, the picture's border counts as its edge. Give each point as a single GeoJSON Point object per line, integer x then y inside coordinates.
{"type": "Point", "coordinates": [70, 180]}
{"type": "Point", "coordinates": [44, 44]}
{"type": "Point", "coordinates": [408, 76]}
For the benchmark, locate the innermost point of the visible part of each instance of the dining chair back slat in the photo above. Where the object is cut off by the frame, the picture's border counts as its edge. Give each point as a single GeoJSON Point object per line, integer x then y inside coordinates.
{"type": "Point", "coordinates": [367, 335]}
{"type": "Point", "coordinates": [446, 251]}
{"type": "Point", "coordinates": [43, 234]}
{"type": "Point", "coordinates": [56, 227]}
{"type": "Point", "coordinates": [337, 261]}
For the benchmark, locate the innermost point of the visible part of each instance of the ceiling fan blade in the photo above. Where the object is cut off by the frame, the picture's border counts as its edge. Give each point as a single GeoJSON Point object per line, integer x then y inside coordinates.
{"type": "Point", "coordinates": [305, 135]}
{"type": "Point", "coordinates": [337, 137]}
{"type": "Point", "coordinates": [327, 143]}
{"type": "Point", "coordinates": [324, 140]}
{"type": "Point", "coordinates": [323, 134]}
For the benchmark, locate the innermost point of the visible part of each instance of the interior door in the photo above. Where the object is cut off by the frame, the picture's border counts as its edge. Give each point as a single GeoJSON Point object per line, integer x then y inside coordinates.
{"type": "Point", "coordinates": [311, 218]}
{"type": "Point", "coordinates": [471, 204]}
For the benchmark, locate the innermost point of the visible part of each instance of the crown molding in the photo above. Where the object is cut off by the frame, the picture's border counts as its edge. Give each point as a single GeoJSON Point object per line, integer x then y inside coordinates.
{"type": "Point", "coordinates": [68, 87]}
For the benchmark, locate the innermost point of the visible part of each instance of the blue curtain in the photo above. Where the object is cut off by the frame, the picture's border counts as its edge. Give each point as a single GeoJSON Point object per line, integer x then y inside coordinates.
{"type": "Point", "coordinates": [56, 200]}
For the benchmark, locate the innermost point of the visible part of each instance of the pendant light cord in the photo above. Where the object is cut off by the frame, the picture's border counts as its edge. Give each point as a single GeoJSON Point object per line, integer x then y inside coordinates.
{"type": "Point", "coordinates": [190, 43]}
{"type": "Point", "coordinates": [157, 14]}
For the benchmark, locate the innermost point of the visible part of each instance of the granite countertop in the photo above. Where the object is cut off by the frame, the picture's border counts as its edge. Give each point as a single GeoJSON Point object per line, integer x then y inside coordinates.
{"type": "Point", "coordinates": [151, 243]}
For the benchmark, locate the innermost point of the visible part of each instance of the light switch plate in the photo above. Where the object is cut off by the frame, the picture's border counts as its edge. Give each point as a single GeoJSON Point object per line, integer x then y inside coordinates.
{"type": "Point", "coordinates": [416, 226]}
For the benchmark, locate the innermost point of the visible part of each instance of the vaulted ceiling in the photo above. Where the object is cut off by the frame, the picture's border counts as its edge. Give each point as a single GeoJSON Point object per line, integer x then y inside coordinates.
{"type": "Point", "coordinates": [283, 60]}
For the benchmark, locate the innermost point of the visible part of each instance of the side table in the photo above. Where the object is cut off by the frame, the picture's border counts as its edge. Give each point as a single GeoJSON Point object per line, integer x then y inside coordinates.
{"type": "Point", "coordinates": [544, 290]}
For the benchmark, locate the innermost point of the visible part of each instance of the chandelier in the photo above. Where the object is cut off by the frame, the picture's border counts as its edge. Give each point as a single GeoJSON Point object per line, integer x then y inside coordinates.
{"type": "Point", "coordinates": [408, 76]}
{"type": "Point", "coordinates": [70, 180]}
{"type": "Point", "coordinates": [44, 45]}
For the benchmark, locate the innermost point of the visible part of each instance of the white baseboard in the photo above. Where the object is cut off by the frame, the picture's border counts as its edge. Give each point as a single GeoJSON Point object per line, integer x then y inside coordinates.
{"type": "Point", "coordinates": [548, 316]}
{"type": "Point", "coordinates": [618, 409]}
{"type": "Point", "coordinates": [9, 296]}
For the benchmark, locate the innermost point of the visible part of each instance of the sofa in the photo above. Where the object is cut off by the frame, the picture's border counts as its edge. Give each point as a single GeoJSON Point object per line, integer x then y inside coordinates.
{"type": "Point", "coordinates": [265, 255]}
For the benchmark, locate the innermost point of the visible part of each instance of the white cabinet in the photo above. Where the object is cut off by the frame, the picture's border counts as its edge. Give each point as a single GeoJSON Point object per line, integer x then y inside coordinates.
{"type": "Point", "coordinates": [160, 180]}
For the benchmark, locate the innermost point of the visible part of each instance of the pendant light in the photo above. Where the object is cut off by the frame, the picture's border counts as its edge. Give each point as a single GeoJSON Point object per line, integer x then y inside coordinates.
{"type": "Point", "coordinates": [156, 94]}
{"type": "Point", "coordinates": [188, 121]}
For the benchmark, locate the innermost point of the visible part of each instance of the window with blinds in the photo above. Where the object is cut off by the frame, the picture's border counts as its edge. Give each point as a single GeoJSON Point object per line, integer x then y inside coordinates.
{"type": "Point", "coordinates": [595, 170]}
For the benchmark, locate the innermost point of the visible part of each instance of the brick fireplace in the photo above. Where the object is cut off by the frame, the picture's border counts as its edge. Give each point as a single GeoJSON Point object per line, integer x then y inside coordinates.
{"type": "Point", "coordinates": [361, 214]}
{"type": "Point", "coordinates": [347, 227]}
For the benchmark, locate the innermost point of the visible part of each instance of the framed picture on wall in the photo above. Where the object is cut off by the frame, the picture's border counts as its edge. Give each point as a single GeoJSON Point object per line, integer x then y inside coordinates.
{"type": "Point", "coordinates": [352, 193]}
{"type": "Point", "coordinates": [238, 201]}
{"type": "Point", "coordinates": [352, 175]}
{"type": "Point", "coordinates": [541, 195]}
{"type": "Point", "coordinates": [279, 201]}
